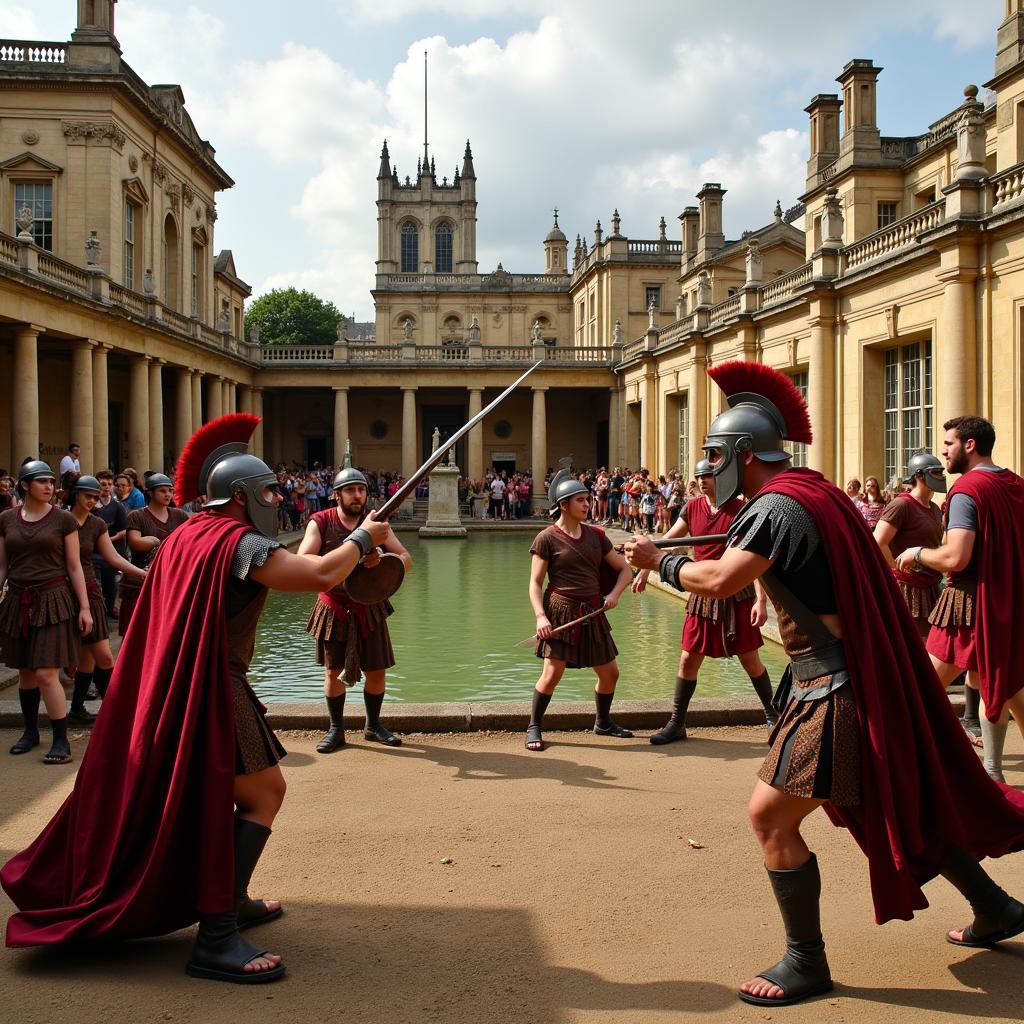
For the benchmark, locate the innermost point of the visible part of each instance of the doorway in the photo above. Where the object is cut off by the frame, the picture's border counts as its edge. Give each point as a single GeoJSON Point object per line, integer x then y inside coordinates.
{"type": "Point", "coordinates": [316, 451]}
{"type": "Point", "coordinates": [448, 419]}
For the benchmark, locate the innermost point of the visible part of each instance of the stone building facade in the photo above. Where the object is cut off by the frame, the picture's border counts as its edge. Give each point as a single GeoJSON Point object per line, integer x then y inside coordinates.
{"type": "Point", "coordinates": [897, 305]}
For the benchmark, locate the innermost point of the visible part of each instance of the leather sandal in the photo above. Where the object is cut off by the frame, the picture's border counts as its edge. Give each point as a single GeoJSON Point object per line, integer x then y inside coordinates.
{"type": "Point", "coordinates": [378, 734]}
{"type": "Point", "coordinates": [334, 740]}
{"type": "Point", "coordinates": [534, 735]}
{"type": "Point", "coordinates": [673, 731]}
{"type": "Point", "coordinates": [1007, 924]}
{"type": "Point", "coordinates": [796, 985]}
{"type": "Point", "coordinates": [59, 753]}
{"type": "Point", "coordinates": [221, 954]}
{"type": "Point", "coordinates": [254, 912]}
{"type": "Point", "coordinates": [28, 740]}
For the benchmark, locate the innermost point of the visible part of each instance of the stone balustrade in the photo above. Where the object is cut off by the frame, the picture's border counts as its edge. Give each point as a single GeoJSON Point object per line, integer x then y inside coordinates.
{"type": "Point", "coordinates": [63, 273]}
{"type": "Point", "coordinates": [896, 236]}
{"type": "Point", "coordinates": [20, 51]}
{"type": "Point", "coordinates": [1008, 186]}
{"type": "Point", "coordinates": [783, 287]}
{"type": "Point", "coordinates": [498, 281]}
{"type": "Point", "coordinates": [8, 249]}
{"type": "Point", "coordinates": [134, 302]}
{"type": "Point", "coordinates": [724, 310]}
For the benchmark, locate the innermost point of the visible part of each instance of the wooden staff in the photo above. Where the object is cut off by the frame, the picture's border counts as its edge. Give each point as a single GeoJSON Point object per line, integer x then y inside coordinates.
{"type": "Point", "coordinates": [567, 625]}
{"type": "Point", "coordinates": [684, 542]}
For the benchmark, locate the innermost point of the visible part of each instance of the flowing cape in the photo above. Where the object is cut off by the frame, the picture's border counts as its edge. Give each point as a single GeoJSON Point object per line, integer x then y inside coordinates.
{"type": "Point", "coordinates": [144, 843]}
{"type": "Point", "coordinates": [923, 787]}
{"type": "Point", "coordinates": [999, 558]}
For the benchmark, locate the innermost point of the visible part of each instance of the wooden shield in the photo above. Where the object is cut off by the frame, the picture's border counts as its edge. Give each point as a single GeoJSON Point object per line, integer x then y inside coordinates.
{"type": "Point", "coordinates": [368, 586]}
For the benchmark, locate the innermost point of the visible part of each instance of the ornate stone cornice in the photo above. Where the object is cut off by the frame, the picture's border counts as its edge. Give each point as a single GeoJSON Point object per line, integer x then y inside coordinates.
{"type": "Point", "coordinates": [104, 133]}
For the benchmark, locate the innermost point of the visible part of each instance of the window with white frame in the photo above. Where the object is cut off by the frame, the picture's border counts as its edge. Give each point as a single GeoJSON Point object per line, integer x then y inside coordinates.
{"type": "Point", "coordinates": [129, 244]}
{"type": "Point", "coordinates": [443, 249]}
{"type": "Point", "coordinates": [410, 248]}
{"type": "Point", "coordinates": [798, 449]}
{"type": "Point", "coordinates": [909, 408]}
{"type": "Point", "coordinates": [887, 214]}
{"type": "Point", "coordinates": [38, 197]}
{"type": "Point", "coordinates": [684, 435]}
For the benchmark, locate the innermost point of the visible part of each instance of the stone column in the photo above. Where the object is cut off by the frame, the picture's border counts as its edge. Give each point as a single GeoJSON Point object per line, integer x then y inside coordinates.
{"type": "Point", "coordinates": [102, 457]}
{"type": "Point", "coordinates": [697, 400]}
{"type": "Point", "coordinates": [257, 410]}
{"type": "Point", "coordinates": [230, 398]}
{"type": "Point", "coordinates": [539, 447]}
{"type": "Point", "coordinates": [245, 399]}
{"type": "Point", "coordinates": [25, 396]}
{"type": "Point", "coordinates": [197, 400]}
{"type": "Point", "coordinates": [955, 353]}
{"type": "Point", "coordinates": [340, 425]}
{"type": "Point", "coordinates": [81, 402]}
{"type": "Point", "coordinates": [138, 415]}
{"type": "Point", "coordinates": [183, 411]}
{"type": "Point", "coordinates": [614, 418]}
{"type": "Point", "coordinates": [156, 416]}
{"type": "Point", "coordinates": [215, 397]}
{"type": "Point", "coordinates": [409, 463]}
{"type": "Point", "coordinates": [821, 389]}
{"type": "Point", "coordinates": [475, 445]}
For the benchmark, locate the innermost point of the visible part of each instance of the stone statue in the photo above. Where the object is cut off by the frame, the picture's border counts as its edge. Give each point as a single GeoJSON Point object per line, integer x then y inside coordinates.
{"type": "Point", "coordinates": [25, 222]}
{"type": "Point", "coordinates": [832, 221]}
{"type": "Point", "coordinates": [435, 440]}
{"type": "Point", "coordinates": [451, 456]}
{"type": "Point", "coordinates": [407, 329]}
{"type": "Point", "coordinates": [535, 333]}
{"type": "Point", "coordinates": [254, 335]}
{"type": "Point", "coordinates": [93, 250]}
{"type": "Point", "coordinates": [474, 331]}
{"type": "Point", "coordinates": [224, 321]}
{"type": "Point", "coordinates": [703, 288]}
{"type": "Point", "coordinates": [652, 312]}
{"type": "Point", "coordinates": [342, 330]}
{"type": "Point", "coordinates": [149, 282]}
{"type": "Point", "coordinates": [617, 333]}
{"type": "Point", "coordinates": [755, 262]}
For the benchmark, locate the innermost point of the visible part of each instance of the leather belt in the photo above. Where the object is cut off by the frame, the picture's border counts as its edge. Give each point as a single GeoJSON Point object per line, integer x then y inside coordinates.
{"type": "Point", "coordinates": [822, 662]}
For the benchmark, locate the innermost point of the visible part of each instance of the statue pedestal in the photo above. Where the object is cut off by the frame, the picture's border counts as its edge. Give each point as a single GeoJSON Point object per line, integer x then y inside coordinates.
{"type": "Point", "coordinates": [443, 504]}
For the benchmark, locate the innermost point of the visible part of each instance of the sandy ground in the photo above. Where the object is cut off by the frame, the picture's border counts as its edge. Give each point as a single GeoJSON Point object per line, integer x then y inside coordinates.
{"type": "Point", "coordinates": [573, 895]}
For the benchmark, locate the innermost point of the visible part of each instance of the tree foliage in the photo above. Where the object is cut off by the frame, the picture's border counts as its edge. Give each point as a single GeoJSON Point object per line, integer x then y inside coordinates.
{"type": "Point", "coordinates": [288, 316]}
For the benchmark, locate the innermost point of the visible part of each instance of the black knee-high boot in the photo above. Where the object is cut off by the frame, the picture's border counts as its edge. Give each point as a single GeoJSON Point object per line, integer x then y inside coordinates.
{"type": "Point", "coordinates": [101, 678]}
{"type": "Point", "coordinates": [997, 915]}
{"type": "Point", "coordinates": [763, 688]}
{"type": "Point", "coordinates": [29, 700]}
{"type": "Point", "coordinates": [675, 729]}
{"type": "Point", "coordinates": [250, 839]}
{"type": "Point", "coordinates": [603, 724]}
{"type": "Point", "coordinates": [79, 712]}
{"type": "Point", "coordinates": [335, 738]}
{"type": "Point", "coordinates": [533, 730]}
{"type": "Point", "coordinates": [803, 972]}
{"type": "Point", "coordinates": [220, 952]}
{"type": "Point", "coordinates": [972, 705]}
{"type": "Point", "coordinates": [373, 730]}
{"type": "Point", "coordinates": [60, 750]}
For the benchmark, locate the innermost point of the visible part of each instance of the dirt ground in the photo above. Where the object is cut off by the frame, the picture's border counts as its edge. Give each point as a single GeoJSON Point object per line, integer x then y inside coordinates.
{"type": "Point", "coordinates": [573, 894]}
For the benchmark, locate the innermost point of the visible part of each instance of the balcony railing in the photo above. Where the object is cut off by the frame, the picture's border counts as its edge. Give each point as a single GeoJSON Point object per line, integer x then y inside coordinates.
{"type": "Point", "coordinates": [783, 287]}
{"type": "Point", "coordinates": [896, 236]}
{"type": "Point", "coordinates": [127, 299]}
{"type": "Point", "coordinates": [64, 273]}
{"type": "Point", "coordinates": [498, 281]}
{"type": "Point", "coordinates": [20, 51]}
{"type": "Point", "coordinates": [1008, 186]}
{"type": "Point", "coordinates": [724, 310]}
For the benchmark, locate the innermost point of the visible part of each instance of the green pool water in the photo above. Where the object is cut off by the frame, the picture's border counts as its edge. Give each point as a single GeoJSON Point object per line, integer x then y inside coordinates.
{"type": "Point", "coordinates": [457, 619]}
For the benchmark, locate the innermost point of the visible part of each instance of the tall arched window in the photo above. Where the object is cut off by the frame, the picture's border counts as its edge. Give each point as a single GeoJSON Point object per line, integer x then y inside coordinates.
{"type": "Point", "coordinates": [172, 266]}
{"type": "Point", "coordinates": [410, 248]}
{"type": "Point", "coordinates": [443, 249]}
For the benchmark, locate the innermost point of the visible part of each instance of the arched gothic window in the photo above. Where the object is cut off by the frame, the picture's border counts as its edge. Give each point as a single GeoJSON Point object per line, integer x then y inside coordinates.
{"type": "Point", "coordinates": [443, 249]}
{"type": "Point", "coordinates": [410, 248]}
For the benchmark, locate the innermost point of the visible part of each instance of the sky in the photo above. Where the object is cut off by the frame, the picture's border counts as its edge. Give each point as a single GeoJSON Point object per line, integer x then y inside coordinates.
{"type": "Point", "coordinates": [587, 105]}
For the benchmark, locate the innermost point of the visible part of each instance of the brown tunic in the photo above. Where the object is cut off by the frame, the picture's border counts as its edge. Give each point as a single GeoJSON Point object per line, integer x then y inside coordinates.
{"type": "Point", "coordinates": [148, 525]}
{"type": "Point", "coordinates": [359, 642]}
{"type": "Point", "coordinates": [915, 526]}
{"type": "Point", "coordinates": [574, 589]}
{"type": "Point", "coordinates": [39, 613]}
{"type": "Point", "coordinates": [89, 534]}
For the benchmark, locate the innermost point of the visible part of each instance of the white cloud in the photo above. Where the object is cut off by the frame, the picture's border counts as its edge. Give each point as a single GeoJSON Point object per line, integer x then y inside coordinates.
{"type": "Point", "coordinates": [18, 22]}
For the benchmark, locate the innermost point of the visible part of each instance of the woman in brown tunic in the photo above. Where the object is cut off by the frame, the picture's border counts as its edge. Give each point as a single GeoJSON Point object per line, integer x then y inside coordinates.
{"type": "Point", "coordinates": [146, 528]}
{"type": "Point", "coordinates": [96, 663]}
{"type": "Point", "coordinates": [571, 554]}
{"type": "Point", "coordinates": [45, 610]}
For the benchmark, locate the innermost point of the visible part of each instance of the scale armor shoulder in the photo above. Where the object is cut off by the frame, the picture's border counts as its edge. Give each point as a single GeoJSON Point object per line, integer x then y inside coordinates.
{"type": "Point", "coordinates": [253, 550]}
{"type": "Point", "coordinates": [785, 522]}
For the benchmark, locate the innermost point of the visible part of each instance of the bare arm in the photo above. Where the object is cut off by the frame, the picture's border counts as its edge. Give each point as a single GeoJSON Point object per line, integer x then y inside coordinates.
{"type": "Point", "coordinates": [714, 577]}
{"type": "Point", "coordinates": [395, 547]}
{"type": "Point", "coordinates": [953, 555]}
{"type": "Point", "coordinates": [311, 539]}
{"type": "Point", "coordinates": [885, 533]}
{"type": "Point", "coordinates": [142, 544]}
{"type": "Point", "coordinates": [73, 563]}
{"type": "Point", "coordinates": [538, 570]}
{"type": "Point", "coordinates": [680, 528]}
{"type": "Point", "coordinates": [109, 554]}
{"type": "Point", "coordinates": [616, 561]}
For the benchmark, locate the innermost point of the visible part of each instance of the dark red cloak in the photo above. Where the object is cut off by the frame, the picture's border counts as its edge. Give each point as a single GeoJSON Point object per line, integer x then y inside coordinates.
{"type": "Point", "coordinates": [999, 559]}
{"type": "Point", "coordinates": [924, 788]}
{"type": "Point", "coordinates": [144, 843]}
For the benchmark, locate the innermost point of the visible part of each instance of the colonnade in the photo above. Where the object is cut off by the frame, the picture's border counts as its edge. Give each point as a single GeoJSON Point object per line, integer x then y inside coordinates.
{"type": "Point", "coordinates": [89, 403]}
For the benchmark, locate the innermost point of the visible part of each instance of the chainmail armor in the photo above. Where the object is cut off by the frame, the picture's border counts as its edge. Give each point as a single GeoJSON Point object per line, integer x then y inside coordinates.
{"type": "Point", "coordinates": [253, 550]}
{"type": "Point", "coordinates": [793, 533]}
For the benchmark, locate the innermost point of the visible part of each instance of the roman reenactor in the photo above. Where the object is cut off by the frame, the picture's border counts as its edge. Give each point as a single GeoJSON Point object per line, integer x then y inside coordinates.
{"type": "Point", "coordinates": [866, 729]}
{"type": "Point", "coordinates": [148, 527]}
{"type": "Point", "coordinates": [351, 638]}
{"type": "Point", "coordinates": [572, 628]}
{"type": "Point", "coordinates": [180, 783]}
{"type": "Point", "coordinates": [979, 616]}
{"type": "Point", "coordinates": [45, 611]}
{"type": "Point", "coordinates": [714, 628]}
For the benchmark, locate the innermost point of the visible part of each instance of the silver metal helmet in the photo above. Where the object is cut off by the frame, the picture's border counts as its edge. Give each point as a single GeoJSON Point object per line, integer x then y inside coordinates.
{"type": "Point", "coordinates": [347, 474]}
{"type": "Point", "coordinates": [86, 484]}
{"type": "Point", "coordinates": [703, 468]}
{"type": "Point", "coordinates": [564, 485]}
{"type": "Point", "coordinates": [230, 469]}
{"type": "Point", "coordinates": [155, 480]}
{"type": "Point", "coordinates": [927, 465]}
{"type": "Point", "coordinates": [748, 426]}
{"type": "Point", "coordinates": [34, 470]}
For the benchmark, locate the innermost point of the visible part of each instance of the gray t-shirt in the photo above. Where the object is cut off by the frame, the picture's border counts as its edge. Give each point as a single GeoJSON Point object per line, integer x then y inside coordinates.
{"type": "Point", "coordinates": [963, 513]}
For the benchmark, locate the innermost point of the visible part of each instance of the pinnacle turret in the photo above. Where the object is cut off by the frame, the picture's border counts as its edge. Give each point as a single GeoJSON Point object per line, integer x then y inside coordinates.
{"type": "Point", "coordinates": [467, 163]}
{"type": "Point", "coordinates": [385, 162]}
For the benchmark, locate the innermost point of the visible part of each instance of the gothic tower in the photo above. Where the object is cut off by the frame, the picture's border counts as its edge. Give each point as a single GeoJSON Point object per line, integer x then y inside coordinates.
{"type": "Point", "coordinates": [556, 250]}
